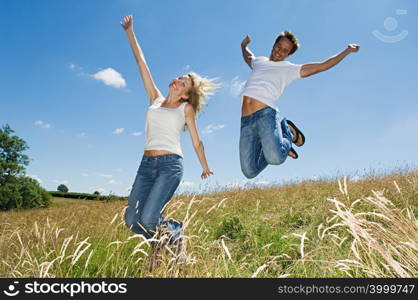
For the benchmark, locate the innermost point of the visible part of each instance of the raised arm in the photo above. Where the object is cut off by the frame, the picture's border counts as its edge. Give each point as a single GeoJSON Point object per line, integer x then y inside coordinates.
{"type": "Point", "coordinates": [313, 68]}
{"type": "Point", "coordinates": [246, 53]}
{"type": "Point", "coordinates": [150, 87]}
{"type": "Point", "coordinates": [197, 143]}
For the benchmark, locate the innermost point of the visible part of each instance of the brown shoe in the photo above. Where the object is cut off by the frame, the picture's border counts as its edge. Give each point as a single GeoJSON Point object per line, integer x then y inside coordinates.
{"type": "Point", "coordinates": [293, 154]}
{"type": "Point", "coordinates": [298, 137]}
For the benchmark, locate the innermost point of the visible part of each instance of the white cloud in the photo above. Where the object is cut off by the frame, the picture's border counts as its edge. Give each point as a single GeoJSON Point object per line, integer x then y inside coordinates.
{"type": "Point", "coordinates": [42, 124]}
{"type": "Point", "coordinates": [186, 184]}
{"type": "Point", "coordinates": [105, 175]}
{"type": "Point", "coordinates": [36, 178]}
{"type": "Point", "coordinates": [136, 133]}
{"type": "Point", "coordinates": [212, 127]}
{"type": "Point", "coordinates": [74, 67]}
{"type": "Point", "coordinates": [186, 68]}
{"type": "Point", "coordinates": [118, 130]}
{"type": "Point", "coordinates": [112, 181]}
{"type": "Point", "coordinates": [110, 77]}
{"type": "Point", "coordinates": [236, 86]}
{"type": "Point", "coordinates": [85, 174]}
{"type": "Point", "coordinates": [82, 134]}
{"type": "Point", "coordinates": [119, 170]}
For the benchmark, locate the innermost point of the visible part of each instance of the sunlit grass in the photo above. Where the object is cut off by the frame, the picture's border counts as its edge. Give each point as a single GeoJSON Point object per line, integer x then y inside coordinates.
{"type": "Point", "coordinates": [323, 228]}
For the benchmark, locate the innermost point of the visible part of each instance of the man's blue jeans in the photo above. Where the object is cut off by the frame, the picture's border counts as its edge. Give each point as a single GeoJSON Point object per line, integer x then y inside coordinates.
{"type": "Point", "coordinates": [265, 140]}
{"type": "Point", "coordinates": [156, 181]}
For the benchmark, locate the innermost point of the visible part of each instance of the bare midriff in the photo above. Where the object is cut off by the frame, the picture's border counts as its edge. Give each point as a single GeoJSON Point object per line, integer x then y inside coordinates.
{"type": "Point", "coordinates": [251, 105]}
{"type": "Point", "coordinates": [156, 152]}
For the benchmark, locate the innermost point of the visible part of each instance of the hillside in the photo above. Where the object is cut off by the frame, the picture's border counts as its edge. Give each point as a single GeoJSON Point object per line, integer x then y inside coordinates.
{"type": "Point", "coordinates": [309, 229]}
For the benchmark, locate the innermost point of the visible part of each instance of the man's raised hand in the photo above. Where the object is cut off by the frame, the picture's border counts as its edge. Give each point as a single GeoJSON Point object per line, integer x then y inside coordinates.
{"type": "Point", "coordinates": [246, 41]}
{"type": "Point", "coordinates": [353, 48]}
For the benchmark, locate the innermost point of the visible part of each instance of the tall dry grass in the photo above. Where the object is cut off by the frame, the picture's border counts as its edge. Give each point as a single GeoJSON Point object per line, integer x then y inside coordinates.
{"type": "Point", "coordinates": [311, 229]}
{"type": "Point", "coordinates": [383, 238]}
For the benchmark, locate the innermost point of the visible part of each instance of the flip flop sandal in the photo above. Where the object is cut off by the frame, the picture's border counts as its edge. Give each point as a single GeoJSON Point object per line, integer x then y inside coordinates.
{"type": "Point", "coordinates": [299, 138]}
{"type": "Point", "coordinates": [292, 153]}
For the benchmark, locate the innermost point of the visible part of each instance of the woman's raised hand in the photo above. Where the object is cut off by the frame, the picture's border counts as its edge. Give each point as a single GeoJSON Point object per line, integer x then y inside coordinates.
{"type": "Point", "coordinates": [206, 173]}
{"type": "Point", "coordinates": [127, 23]}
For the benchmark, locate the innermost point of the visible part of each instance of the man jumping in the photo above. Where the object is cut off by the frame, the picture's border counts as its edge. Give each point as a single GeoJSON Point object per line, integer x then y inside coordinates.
{"type": "Point", "coordinates": [267, 137]}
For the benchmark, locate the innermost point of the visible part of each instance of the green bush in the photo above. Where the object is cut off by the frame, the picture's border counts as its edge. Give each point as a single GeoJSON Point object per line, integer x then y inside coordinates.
{"type": "Point", "coordinates": [23, 192]}
{"type": "Point", "coordinates": [10, 196]}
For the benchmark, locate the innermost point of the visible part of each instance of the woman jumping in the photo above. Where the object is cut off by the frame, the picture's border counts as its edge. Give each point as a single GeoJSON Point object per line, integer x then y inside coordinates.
{"type": "Point", "coordinates": [161, 168]}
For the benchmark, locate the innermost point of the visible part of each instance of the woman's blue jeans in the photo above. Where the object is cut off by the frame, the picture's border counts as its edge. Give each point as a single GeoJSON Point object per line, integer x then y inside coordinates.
{"type": "Point", "coordinates": [265, 140]}
{"type": "Point", "coordinates": [156, 181]}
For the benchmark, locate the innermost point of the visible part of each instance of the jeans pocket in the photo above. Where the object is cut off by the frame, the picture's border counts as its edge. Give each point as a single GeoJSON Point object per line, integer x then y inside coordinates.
{"type": "Point", "coordinates": [173, 168]}
{"type": "Point", "coordinates": [245, 121]}
{"type": "Point", "coordinates": [268, 122]}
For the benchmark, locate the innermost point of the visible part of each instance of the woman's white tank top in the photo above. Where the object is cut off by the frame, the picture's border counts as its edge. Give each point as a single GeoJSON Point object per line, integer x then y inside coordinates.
{"type": "Point", "coordinates": [163, 127]}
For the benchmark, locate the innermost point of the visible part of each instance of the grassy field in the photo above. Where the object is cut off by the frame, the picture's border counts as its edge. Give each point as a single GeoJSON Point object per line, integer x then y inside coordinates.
{"type": "Point", "coordinates": [340, 228]}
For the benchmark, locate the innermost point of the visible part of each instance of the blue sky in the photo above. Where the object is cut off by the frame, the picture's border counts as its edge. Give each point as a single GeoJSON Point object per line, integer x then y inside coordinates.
{"type": "Point", "coordinates": [70, 88]}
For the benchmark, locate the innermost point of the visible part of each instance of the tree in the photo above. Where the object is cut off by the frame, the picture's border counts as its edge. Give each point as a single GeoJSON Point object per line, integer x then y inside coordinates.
{"type": "Point", "coordinates": [62, 188]}
{"type": "Point", "coordinates": [12, 161]}
{"type": "Point", "coordinates": [17, 190]}
{"type": "Point", "coordinates": [96, 193]}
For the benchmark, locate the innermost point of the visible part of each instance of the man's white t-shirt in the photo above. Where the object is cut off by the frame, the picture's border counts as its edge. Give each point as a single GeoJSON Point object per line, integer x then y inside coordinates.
{"type": "Point", "coordinates": [269, 79]}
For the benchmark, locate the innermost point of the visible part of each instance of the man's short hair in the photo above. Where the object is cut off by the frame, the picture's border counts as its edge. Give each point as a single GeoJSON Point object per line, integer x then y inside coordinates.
{"type": "Point", "coordinates": [291, 37]}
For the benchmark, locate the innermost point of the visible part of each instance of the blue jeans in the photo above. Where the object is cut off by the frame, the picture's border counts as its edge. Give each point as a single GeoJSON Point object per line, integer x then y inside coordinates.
{"type": "Point", "coordinates": [265, 140]}
{"type": "Point", "coordinates": [156, 181]}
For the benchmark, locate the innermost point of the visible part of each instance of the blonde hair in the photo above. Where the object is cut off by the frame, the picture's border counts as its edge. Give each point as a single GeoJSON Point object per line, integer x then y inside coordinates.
{"type": "Point", "coordinates": [201, 89]}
